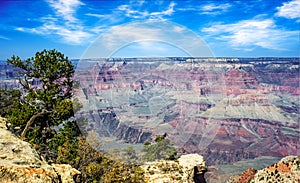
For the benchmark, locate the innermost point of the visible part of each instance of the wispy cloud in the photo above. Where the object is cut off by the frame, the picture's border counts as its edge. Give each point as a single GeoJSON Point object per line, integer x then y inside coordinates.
{"type": "Point", "coordinates": [128, 33]}
{"type": "Point", "coordinates": [247, 34]}
{"type": "Point", "coordinates": [63, 23]}
{"type": "Point", "coordinates": [208, 9]}
{"type": "Point", "coordinates": [71, 35]}
{"type": "Point", "coordinates": [289, 10]}
{"type": "Point", "coordinates": [65, 8]}
{"type": "Point", "coordinates": [131, 12]}
{"type": "Point", "coordinates": [4, 37]}
{"type": "Point", "coordinates": [95, 15]}
{"type": "Point", "coordinates": [108, 18]}
{"type": "Point", "coordinates": [214, 9]}
{"type": "Point", "coordinates": [147, 31]}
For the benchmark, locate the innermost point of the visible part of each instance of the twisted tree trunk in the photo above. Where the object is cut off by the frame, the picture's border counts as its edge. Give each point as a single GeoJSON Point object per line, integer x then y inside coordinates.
{"type": "Point", "coordinates": [31, 120]}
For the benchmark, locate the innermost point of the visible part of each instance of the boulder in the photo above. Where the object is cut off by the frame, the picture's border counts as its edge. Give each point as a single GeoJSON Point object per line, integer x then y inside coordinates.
{"type": "Point", "coordinates": [188, 168]}
{"type": "Point", "coordinates": [19, 162]}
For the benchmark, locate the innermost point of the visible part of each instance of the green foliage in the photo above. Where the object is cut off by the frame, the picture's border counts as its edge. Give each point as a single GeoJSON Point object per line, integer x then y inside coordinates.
{"type": "Point", "coordinates": [67, 153]}
{"type": "Point", "coordinates": [147, 143]}
{"type": "Point", "coordinates": [130, 155]}
{"type": "Point", "coordinates": [8, 98]}
{"type": "Point", "coordinates": [161, 149]}
{"type": "Point", "coordinates": [41, 107]}
{"type": "Point", "coordinates": [20, 114]}
{"type": "Point", "coordinates": [38, 109]}
{"type": "Point", "coordinates": [122, 173]}
{"type": "Point", "coordinates": [159, 139]}
{"type": "Point", "coordinates": [68, 133]}
{"type": "Point", "coordinates": [96, 167]}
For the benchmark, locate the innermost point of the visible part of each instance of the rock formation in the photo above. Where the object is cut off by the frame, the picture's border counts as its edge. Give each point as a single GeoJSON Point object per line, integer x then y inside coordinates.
{"type": "Point", "coordinates": [286, 170]}
{"type": "Point", "coordinates": [20, 163]}
{"type": "Point", "coordinates": [188, 168]}
{"type": "Point", "coordinates": [250, 106]}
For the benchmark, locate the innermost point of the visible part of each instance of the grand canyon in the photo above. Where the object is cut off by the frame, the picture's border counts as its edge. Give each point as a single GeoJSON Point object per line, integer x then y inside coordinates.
{"type": "Point", "coordinates": [235, 112]}
{"type": "Point", "coordinates": [226, 109]}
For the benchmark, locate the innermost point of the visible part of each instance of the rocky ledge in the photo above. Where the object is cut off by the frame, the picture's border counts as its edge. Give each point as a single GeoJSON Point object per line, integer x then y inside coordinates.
{"type": "Point", "coordinates": [188, 168]}
{"type": "Point", "coordinates": [20, 163]}
{"type": "Point", "coordinates": [286, 170]}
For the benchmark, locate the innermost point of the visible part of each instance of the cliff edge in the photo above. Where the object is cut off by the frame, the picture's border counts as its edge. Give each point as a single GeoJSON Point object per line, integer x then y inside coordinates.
{"type": "Point", "coordinates": [286, 170]}
{"type": "Point", "coordinates": [20, 163]}
{"type": "Point", "coordinates": [188, 168]}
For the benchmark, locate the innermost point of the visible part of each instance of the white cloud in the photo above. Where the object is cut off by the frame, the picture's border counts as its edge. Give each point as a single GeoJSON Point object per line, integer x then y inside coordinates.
{"type": "Point", "coordinates": [96, 15]}
{"type": "Point", "coordinates": [208, 9]}
{"type": "Point", "coordinates": [129, 12]}
{"type": "Point", "coordinates": [247, 34]}
{"type": "Point", "coordinates": [213, 9]}
{"type": "Point", "coordinates": [65, 8]}
{"type": "Point", "coordinates": [71, 36]}
{"type": "Point", "coordinates": [20, 29]}
{"type": "Point", "coordinates": [63, 23]}
{"type": "Point", "coordinates": [289, 10]}
{"type": "Point", "coordinates": [137, 2]}
{"type": "Point", "coordinates": [98, 29]}
{"type": "Point", "coordinates": [138, 14]}
{"type": "Point", "coordinates": [118, 34]}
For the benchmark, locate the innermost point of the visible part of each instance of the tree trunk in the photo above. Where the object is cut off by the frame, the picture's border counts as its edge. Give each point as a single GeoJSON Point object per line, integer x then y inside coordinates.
{"type": "Point", "coordinates": [31, 120]}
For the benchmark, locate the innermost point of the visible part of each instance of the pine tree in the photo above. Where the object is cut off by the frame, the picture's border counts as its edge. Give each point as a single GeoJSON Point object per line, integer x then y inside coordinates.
{"type": "Point", "coordinates": [46, 91]}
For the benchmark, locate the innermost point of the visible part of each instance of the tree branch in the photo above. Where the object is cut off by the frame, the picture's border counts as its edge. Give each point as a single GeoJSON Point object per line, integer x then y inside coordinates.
{"type": "Point", "coordinates": [31, 120]}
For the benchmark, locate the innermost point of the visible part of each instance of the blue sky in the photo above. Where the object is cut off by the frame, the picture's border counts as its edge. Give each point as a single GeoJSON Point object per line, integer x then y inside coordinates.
{"type": "Point", "coordinates": [262, 28]}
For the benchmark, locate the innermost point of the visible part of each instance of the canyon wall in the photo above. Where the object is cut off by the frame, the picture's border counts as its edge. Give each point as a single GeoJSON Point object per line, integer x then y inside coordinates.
{"type": "Point", "coordinates": [227, 111]}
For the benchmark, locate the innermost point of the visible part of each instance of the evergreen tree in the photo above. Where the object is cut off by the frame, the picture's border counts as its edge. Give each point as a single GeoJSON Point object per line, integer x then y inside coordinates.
{"type": "Point", "coordinates": [47, 103]}
{"type": "Point", "coordinates": [8, 98]}
{"type": "Point", "coordinates": [46, 92]}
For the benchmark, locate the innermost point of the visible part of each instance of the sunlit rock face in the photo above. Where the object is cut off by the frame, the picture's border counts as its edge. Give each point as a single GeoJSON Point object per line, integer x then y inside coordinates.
{"type": "Point", "coordinates": [226, 110]}
{"type": "Point", "coordinates": [188, 168]}
{"type": "Point", "coordinates": [20, 163]}
{"type": "Point", "coordinates": [286, 170]}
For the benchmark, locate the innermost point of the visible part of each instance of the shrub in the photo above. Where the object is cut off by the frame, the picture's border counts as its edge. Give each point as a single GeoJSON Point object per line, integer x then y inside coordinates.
{"type": "Point", "coordinates": [161, 149]}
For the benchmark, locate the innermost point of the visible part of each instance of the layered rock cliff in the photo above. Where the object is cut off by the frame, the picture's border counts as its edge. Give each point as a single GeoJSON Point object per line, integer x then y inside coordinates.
{"type": "Point", "coordinates": [20, 163]}
{"type": "Point", "coordinates": [225, 111]}
{"type": "Point", "coordinates": [286, 170]}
